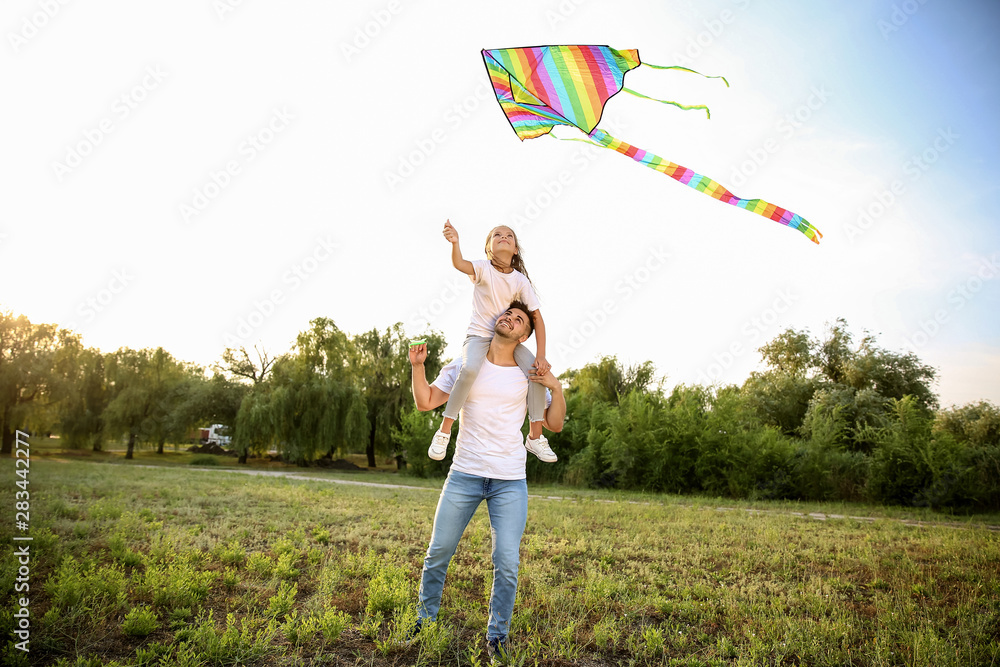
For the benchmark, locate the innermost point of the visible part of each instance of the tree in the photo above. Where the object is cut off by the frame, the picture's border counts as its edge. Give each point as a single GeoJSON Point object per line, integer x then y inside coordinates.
{"type": "Point", "coordinates": [593, 396]}
{"type": "Point", "coordinates": [242, 379]}
{"type": "Point", "coordinates": [148, 389]}
{"type": "Point", "coordinates": [608, 381]}
{"type": "Point", "coordinates": [382, 371]}
{"type": "Point", "coordinates": [808, 383]}
{"type": "Point", "coordinates": [304, 412]}
{"type": "Point", "coordinates": [313, 403]}
{"type": "Point", "coordinates": [81, 420]}
{"type": "Point", "coordinates": [31, 373]}
{"type": "Point", "coordinates": [255, 429]}
{"type": "Point", "coordinates": [239, 364]}
{"type": "Point", "coordinates": [173, 383]}
{"type": "Point", "coordinates": [131, 404]}
{"type": "Point", "coordinates": [780, 398]}
{"type": "Point", "coordinates": [790, 353]}
{"type": "Point", "coordinates": [215, 401]}
{"type": "Point", "coordinates": [975, 424]}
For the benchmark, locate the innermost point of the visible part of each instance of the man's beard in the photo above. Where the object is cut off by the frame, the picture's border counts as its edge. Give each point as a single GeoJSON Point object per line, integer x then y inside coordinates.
{"type": "Point", "coordinates": [504, 332]}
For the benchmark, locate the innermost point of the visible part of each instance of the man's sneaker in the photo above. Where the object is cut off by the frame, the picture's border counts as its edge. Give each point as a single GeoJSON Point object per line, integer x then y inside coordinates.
{"type": "Point", "coordinates": [496, 649]}
{"type": "Point", "coordinates": [540, 448]}
{"type": "Point", "coordinates": [411, 636]}
{"type": "Point", "coordinates": [439, 445]}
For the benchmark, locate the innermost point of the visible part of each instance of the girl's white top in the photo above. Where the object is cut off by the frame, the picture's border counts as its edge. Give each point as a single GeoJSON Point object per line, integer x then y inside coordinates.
{"type": "Point", "coordinates": [492, 296]}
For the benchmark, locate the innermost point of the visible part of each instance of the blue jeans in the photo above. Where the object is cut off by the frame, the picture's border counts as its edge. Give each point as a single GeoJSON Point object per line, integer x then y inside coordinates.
{"type": "Point", "coordinates": [507, 502]}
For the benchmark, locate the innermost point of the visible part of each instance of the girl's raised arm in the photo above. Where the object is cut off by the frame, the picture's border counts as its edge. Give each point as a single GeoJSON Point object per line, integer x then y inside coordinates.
{"type": "Point", "coordinates": [460, 263]}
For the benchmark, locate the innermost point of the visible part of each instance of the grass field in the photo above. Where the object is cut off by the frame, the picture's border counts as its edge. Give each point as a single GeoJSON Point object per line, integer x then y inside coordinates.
{"type": "Point", "coordinates": [173, 566]}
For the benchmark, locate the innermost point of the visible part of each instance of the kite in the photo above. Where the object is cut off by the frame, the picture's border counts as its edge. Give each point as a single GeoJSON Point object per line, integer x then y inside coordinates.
{"type": "Point", "coordinates": [543, 86]}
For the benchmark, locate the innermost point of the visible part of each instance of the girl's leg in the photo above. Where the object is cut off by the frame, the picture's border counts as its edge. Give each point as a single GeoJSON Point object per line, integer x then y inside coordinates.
{"type": "Point", "coordinates": [536, 392]}
{"type": "Point", "coordinates": [473, 355]}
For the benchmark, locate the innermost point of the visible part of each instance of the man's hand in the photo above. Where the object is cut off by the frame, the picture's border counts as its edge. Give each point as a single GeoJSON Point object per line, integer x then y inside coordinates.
{"type": "Point", "coordinates": [555, 414]}
{"type": "Point", "coordinates": [449, 232]}
{"type": "Point", "coordinates": [418, 354]}
{"type": "Point", "coordinates": [549, 380]}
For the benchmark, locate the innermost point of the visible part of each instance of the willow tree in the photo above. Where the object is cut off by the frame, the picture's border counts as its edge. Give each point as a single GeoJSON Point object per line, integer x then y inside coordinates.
{"type": "Point", "coordinates": [382, 371]}
{"type": "Point", "coordinates": [32, 373]}
{"type": "Point", "coordinates": [81, 414]}
{"type": "Point", "coordinates": [147, 389]}
{"type": "Point", "coordinates": [309, 406]}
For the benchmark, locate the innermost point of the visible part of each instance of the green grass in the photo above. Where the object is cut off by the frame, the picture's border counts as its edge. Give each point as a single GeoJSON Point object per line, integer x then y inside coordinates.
{"type": "Point", "coordinates": [176, 565]}
{"type": "Point", "coordinates": [386, 473]}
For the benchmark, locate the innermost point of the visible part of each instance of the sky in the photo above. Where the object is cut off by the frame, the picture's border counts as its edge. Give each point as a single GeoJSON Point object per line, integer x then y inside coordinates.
{"type": "Point", "coordinates": [204, 174]}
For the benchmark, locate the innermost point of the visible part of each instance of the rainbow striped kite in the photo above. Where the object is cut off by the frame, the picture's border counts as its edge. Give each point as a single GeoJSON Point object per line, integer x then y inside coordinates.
{"type": "Point", "coordinates": [540, 87]}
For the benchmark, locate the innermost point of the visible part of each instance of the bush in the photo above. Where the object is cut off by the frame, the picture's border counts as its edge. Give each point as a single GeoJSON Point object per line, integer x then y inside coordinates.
{"type": "Point", "coordinates": [857, 443]}
{"type": "Point", "coordinates": [975, 424]}
{"type": "Point", "coordinates": [589, 467]}
{"type": "Point", "coordinates": [984, 477]}
{"type": "Point", "coordinates": [413, 437]}
{"type": "Point", "coordinates": [204, 460]}
{"type": "Point", "coordinates": [913, 466]}
{"type": "Point", "coordinates": [140, 622]}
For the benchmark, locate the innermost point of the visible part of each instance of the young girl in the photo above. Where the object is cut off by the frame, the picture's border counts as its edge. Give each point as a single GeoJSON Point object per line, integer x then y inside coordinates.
{"type": "Point", "coordinates": [499, 279]}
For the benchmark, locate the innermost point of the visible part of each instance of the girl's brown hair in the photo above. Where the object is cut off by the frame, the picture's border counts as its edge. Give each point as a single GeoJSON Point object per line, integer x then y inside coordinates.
{"type": "Point", "coordinates": [517, 261]}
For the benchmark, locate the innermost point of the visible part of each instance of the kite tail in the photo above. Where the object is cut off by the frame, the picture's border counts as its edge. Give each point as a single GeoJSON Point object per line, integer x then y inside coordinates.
{"type": "Point", "coordinates": [686, 69]}
{"type": "Point", "coordinates": [684, 107]}
{"type": "Point", "coordinates": [707, 185]}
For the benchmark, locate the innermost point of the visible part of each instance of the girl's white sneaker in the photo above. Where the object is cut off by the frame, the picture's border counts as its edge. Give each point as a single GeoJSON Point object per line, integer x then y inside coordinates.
{"type": "Point", "coordinates": [540, 448]}
{"type": "Point", "coordinates": [439, 445]}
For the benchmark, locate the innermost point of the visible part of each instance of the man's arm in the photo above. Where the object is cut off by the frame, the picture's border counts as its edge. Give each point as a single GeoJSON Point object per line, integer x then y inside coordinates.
{"type": "Point", "coordinates": [426, 397]}
{"type": "Point", "coordinates": [555, 414]}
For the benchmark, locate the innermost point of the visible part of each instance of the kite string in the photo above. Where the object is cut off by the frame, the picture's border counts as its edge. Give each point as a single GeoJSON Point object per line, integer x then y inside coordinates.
{"type": "Point", "coordinates": [584, 141]}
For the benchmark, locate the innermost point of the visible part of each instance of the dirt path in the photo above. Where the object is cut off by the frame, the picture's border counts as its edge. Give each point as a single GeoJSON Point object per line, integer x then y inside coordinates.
{"type": "Point", "coordinates": [817, 516]}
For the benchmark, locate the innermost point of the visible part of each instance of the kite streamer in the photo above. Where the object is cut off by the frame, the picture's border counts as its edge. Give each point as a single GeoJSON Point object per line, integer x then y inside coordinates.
{"type": "Point", "coordinates": [541, 87]}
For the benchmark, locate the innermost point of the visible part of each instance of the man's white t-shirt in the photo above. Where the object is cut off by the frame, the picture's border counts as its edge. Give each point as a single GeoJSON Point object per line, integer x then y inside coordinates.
{"type": "Point", "coordinates": [489, 442]}
{"type": "Point", "coordinates": [492, 295]}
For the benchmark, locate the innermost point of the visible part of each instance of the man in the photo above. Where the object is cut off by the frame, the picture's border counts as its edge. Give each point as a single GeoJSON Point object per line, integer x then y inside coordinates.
{"type": "Point", "coordinates": [488, 465]}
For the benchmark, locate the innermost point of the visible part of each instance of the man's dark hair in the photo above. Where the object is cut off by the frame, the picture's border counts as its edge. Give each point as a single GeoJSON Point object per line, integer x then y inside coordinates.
{"type": "Point", "coordinates": [520, 305]}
